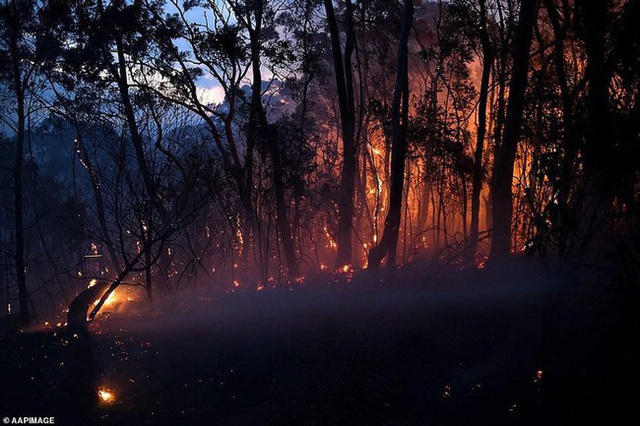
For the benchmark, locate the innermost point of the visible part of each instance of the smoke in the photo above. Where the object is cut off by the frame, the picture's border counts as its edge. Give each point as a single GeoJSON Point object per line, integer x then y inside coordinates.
{"type": "Point", "coordinates": [378, 302]}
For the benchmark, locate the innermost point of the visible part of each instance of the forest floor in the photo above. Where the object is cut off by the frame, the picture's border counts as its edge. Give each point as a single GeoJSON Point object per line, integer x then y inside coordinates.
{"type": "Point", "coordinates": [508, 345]}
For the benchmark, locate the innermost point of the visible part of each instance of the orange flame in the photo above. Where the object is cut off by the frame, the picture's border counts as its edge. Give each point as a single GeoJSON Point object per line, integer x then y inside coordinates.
{"type": "Point", "coordinates": [107, 396]}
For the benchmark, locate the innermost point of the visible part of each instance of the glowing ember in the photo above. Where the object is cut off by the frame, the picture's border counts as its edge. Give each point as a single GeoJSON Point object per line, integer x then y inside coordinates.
{"type": "Point", "coordinates": [332, 243]}
{"type": "Point", "coordinates": [447, 391]}
{"type": "Point", "coordinates": [482, 262]}
{"type": "Point", "coordinates": [538, 376]}
{"type": "Point", "coordinates": [107, 396]}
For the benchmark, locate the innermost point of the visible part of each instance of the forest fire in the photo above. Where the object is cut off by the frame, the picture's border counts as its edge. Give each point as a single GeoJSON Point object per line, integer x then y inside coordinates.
{"type": "Point", "coordinates": [121, 300]}
{"type": "Point", "coordinates": [391, 201]}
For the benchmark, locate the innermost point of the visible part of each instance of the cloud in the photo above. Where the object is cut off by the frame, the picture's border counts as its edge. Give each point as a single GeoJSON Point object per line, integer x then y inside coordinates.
{"type": "Point", "coordinates": [211, 95]}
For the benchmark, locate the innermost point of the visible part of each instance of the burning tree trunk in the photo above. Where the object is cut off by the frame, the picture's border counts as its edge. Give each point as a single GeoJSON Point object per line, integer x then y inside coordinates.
{"type": "Point", "coordinates": [117, 281]}
{"type": "Point", "coordinates": [346, 100]}
{"type": "Point", "coordinates": [506, 152]}
{"type": "Point", "coordinates": [79, 307]}
{"type": "Point", "coordinates": [131, 265]}
{"type": "Point", "coordinates": [400, 118]}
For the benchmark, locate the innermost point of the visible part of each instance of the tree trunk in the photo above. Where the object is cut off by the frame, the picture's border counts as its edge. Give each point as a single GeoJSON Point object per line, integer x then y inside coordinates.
{"type": "Point", "coordinates": [400, 106]}
{"type": "Point", "coordinates": [120, 75]}
{"type": "Point", "coordinates": [119, 72]}
{"type": "Point", "coordinates": [344, 85]}
{"type": "Point", "coordinates": [562, 221]}
{"type": "Point", "coordinates": [130, 266]}
{"type": "Point", "coordinates": [21, 279]}
{"type": "Point", "coordinates": [478, 170]}
{"type": "Point", "coordinates": [601, 145]}
{"type": "Point", "coordinates": [260, 128]}
{"type": "Point", "coordinates": [506, 152]}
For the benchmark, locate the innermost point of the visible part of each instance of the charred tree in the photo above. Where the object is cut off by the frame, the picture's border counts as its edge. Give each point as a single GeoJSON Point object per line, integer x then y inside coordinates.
{"type": "Point", "coordinates": [505, 154]}
{"type": "Point", "coordinates": [346, 100]}
{"type": "Point", "coordinates": [399, 118]}
{"type": "Point", "coordinates": [79, 307]}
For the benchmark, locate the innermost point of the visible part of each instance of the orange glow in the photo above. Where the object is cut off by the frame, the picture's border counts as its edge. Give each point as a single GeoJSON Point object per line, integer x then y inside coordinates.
{"type": "Point", "coordinates": [332, 243]}
{"type": "Point", "coordinates": [239, 234]}
{"type": "Point", "coordinates": [107, 396]}
{"type": "Point", "coordinates": [111, 300]}
{"type": "Point", "coordinates": [119, 300]}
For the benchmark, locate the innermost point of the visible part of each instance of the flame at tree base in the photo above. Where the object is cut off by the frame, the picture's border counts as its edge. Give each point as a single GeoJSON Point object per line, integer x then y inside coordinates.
{"type": "Point", "coordinates": [107, 396]}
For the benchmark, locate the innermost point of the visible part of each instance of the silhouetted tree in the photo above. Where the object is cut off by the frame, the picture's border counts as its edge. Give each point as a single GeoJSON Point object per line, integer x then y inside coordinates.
{"type": "Point", "coordinates": [343, 68]}
{"type": "Point", "coordinates": [19, 62]}
{"type": "Point", "coordinates": [400, 121]}
{"type": "Point", "coordinates": [506, 151]}
{"type": "Point", "coordinates": [488, 54]}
